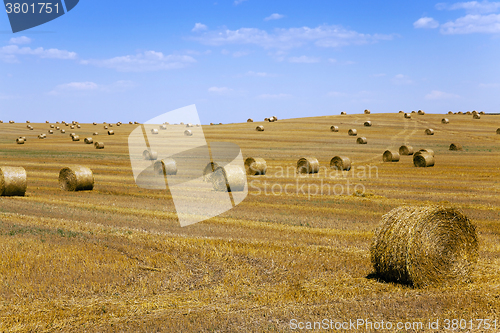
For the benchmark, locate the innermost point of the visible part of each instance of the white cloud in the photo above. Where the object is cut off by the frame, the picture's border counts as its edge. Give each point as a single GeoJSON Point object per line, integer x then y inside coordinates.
{"type": "Point", "coordinates": [20, 40]}
{"type": "Point", "coordinates": [426, 22]}
{"type": "Point", "coordinates": [220, 90]}
{"type": "Point", "coordinates": [471, 7]}
{"type": "Point", "coordinates": [436, 95]}
{"type": "Point", "coordinates": [143, 62]}
{"type": "Point", "coordinates": [473, 24]}
{"type": "Point", "coordinates": [401, 79]}
{"type": "Point", "coordinates": [321, 36]}
{"type": "Point", "coordinates": [274, 16]}
{"type": "Point", "coordinates": [304, 60]}
{"type": "Point", "coordinates": [9, 53]}
{"type": "Point", "coordinates": [92, 86]}
{"type": "Point", "coordinates": [274, 96]}
{"type": "Point", "coordinates": [259, 74]}
{"type": "Point", "coordinates": [199, 27]}
{"type": "Point", "coordinates": [237, 2]}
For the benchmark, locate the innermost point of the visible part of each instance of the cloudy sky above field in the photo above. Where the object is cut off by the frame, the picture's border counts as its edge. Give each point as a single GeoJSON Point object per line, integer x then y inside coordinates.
{"type": "Point", "coordinates": [252, 58]}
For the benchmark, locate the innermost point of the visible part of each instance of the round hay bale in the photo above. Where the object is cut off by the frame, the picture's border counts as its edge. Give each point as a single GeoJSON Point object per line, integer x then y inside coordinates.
{"type": "Point", "coordinates": [352, 132]}
{"type": "Point", "coordinates": [150, 155]}
{"type": "Point", "coordinates": [28, 126]}
{"type": "Point", "coordinates": [271, 119]}
{"type": "Point", "coordinates": [481, 113]}
{"type": "Point", "coordinates": [163, 127]}
{"type": "Point", "coordinates": [189, 125]}
{"type": "Point", "coordinates": [456, 146]}
{"type": "Point", "coordinates": [94, 124]}
{"type": "Point", "coordinates": [230, 178]}
{"type": "Point", "coordinates": [130, 122]}
{"type": "Point", "coordinates": [362, 141]}
{"type": "Point", "coordinates": [51, 132]}
{"type": "Point", "coordinates": [88, 141]}
{"type": "Point", "coordinates": [421, 112]}
{"type": "Point", "coordinates": [468, 113]}
{"type": "Point", "coordinates": [72, 127]}
{"type": "Point", "coordinates": [259, 128]}
{"type": "Point", "coordinates": [367, 111]}
{"type": "Point", "coordinates": [20, 141]}
{"type": "Point", "coordinates": [334, 128]}
{"type": "Point", "coordinates": [58, 128]}
{"type": "Point", "coordinates": [136, 122]}
{"type": "Point", "coordinates": [340, 163]}
{"type": "Point", "coordinates": [118, 124]}
{"type": "Point", "coordinates": [414, 111]}
{"type": "Point", "coordinates": [105, 127]}
{"type": "Point", "coordinates": [46, 121]}
{"type": "Point", "coordinates": [209, 169]}
{"type": "Point", "coordinates": [450, 112]}
{"type": "Point", "coordinates": [401, 111]}
{"type": "Point", "coordinates": [406, 150]}
{"type": "Point", "coordinates": [154, 131]}
{"type": "Point", "coordinates": [188, 133]}
{"type": "Point", "coordinates": [111, 132]}
{"type": "Point", "coordinates": [42, 136]}
{"type": "Point", "coordinates": [110, 125]}
{"type": "Point", "coordinates": [72, 134]}
{"type": "Point", "coordinates": [66, 124]}
{"type": "Point", "coordinates": [27, 121]}
{"type": "Point", "coordinates": [78, 126]}
{"type": "Point", "coordinates": [266, 119]}
{"type": "Point", "coordinates": [460, 112]}
{"type": "Point", "coordinates": [307, 165]}
{"type": "Point", "coordinates": [429, 131]}
{"type": "Point", "coordinates": [498, 130]}
{"type": "Point", "coordinates": [31, 128]}
{"type": "Point", "coordinates": [211, 123]}
{"type": "Point", "coordinates": [275, 118]}
{"type": "Point", "coordinates": [11, 121]}
{"type": "Point", "coordinates": [95, 133]}
{"type": "Point", "coordinates": [390, 156]}
{"type": "Point", "coordinates": [181, 123]}
{"type": "Point", "coordinates": [476, 116]}
{"type": "Point", "coordinates": [249, 120]}
{"type": "Point", "coordinates": [52, 126]}
{"type": "Point", "coordinates": [76, 138]}
{"type": "Point", "coordinates": [425, 246]}
{"type": "Point", "coordinates": [12, 181]}
{"type": "Point", "coordinates": [445, 121]}
{"type": "Point", "coordinates": [63, 131]}
{"type": "Point", "coordinates": [407, 115]}
{"type": "Point", "coordinates": [343, 113]}
{"type": "Point", "coordinates": [166, 166]}
{"type": "Point", "coordinates": [1, 121]}
{"type": "Point", "coordinates": [76, 178]}
{"type": "Point", "coordinates": [99, 145]}
{"type": "Point", "coordinates": [474, 112]}
{"type": "Point", "coordinates": [423, 160]}
{"type": "Point", "coordinates": [368, 123]}
{"type": "Point", "coordinates": [255, 166]}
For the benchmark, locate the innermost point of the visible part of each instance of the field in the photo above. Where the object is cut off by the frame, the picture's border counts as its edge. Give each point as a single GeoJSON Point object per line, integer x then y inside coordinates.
{"type": "Point", "coordinates": [116, 258]}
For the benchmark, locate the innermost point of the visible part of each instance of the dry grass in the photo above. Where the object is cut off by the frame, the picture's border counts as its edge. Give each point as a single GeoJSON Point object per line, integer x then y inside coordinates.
{"type": "Point", "coordinates": [116, 259]}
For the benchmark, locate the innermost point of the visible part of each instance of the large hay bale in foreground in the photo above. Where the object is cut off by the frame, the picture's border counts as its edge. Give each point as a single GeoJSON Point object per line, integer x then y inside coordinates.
{"type": "Point", "coordinates": [425, 246]}
{"type": "Point", "coordinates": [12, 181]}
{"type": "Point", "coordinates": [76, 178]}
{"type": "Point", "coordinates": [390, 156]}
{"type": "Point", "coordinates": [259, 128]}
{"type": "Point", "coordinates": [307, 165]}
{"type": "Point", "coordinates": [255, 166]}
{"type": "Point", "coordinates": [352, 132]}
{"type": "Point", "coordinates": [423, 160]}
{"type": "Point", "coordinates": [340, 163]}
{"type": "Point", "coordinates": [230, 178]}
{"type": "Point", "coordinates": [362, 141]}
{"type": "Point", "coordinates": [150, 155]}
{"type": "Point", "coordinates": [167, 166]}
{"type": "Point", "coordinates": [368, 123]}
{"type": "Point", "coordinates": [405, 150]}
{"type": "Point", "coordinates": [456, 146]}
{"type": "Point", "coordinates": [445, 121]}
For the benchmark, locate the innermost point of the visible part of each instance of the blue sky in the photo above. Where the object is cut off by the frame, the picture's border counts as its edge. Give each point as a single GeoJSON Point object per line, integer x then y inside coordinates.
{"type": "Point", "coordinates": [129, 60]}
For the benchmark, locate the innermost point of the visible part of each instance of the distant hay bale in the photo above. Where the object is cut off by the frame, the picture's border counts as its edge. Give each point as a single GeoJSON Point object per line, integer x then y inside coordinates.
{"type": "Point", "coordinates": [72, 127]}
{"type": "Point", "coordinates": [12, 181]}
{"type": "Point", "coordinates": [1, 121]}
{"type": "Point", "coordinates": [249, 120]}
{"type": "Point", "coordinates": [189, 125]}
{"type": "Point", "coordinates": [275, 118]}
{"type": "Point", "coordinates": [130, 122]}
{"type": "Point", "coordinates": [52, 126]}
{"type": "Point", "coordinates": [105, 127]}
{"type": "Point", "coordinates": [468, 113]}
{"type": "Point", "coordinates": [27, 121]}
{"type": "Point", "coordinates": [167, 166]}
{"type": "Point", "coordinates": [401, 111]}
{"type": "Point", "coordinates": [272, 119]}
{"type": "Point", "coordinates": [76, 138]}
{"type": "Point", "coordinates": [481, 113]}
{"type": "Point", "coordinates": [51, 132]}
{"type": "Point", "coordinates": [498, 130]}
{"type": "Point", "coordinates": [99, 145]}
{"type": "Point", "coordinates": [76, 178]}
{"type": "Point", "coordinates": [368, 123]}
{"type": "Point", "coordinates": [456, 146]}
{"type": "Point", "coordinates": [255, 166]}
{"type": "Point", "coordinates": [414, 112]}
{"type": "Point", "coordinates": [20, 141]}
{"type": "Point", "coordinates": [266, 119]}
{"type": "Point", "coordinates": [476, 116]}
{"type": "Point", "coordinates": [429, 131]}
{"type": "Point", "coordinates": [154, 131]}
{"type": "Point", "coordinates": [58, 128]}
{"type": "Point", "coordinates": [111, 132]}
{"type": "Point", "coordinates": [425, 246]}
{"type": "Point", "coordinates": [307, 165]}
{"type": "Point", "coordinates": [188, 133]}
{"type": "Point", "coordinates": [474, 112]}
{"type": "Point", "coordinates": [94, 124]}
{"type": "Point", "coordinates": [352, 132]}
{"type": "Point", "coordinates": [42, 136]}
{"type": "Point", "coordinates": [450, 112]}
{"type": "Point", "coordinates": [11, 121]}
{"type": "Point", "coordinates": [63, 131]}
{"type": "Point", "coordinates": [230, 178]}
{"type": "Point", "coordinates": [423, 160]}
{"type": "Point", "coordinates": [367, 111]}
{"type": "Point", "coordinates": [31, 128]}
{"type": "Point", "coordinates": [406, 150]}
{"type": "Point", "coordinates": [118, 124]}
{"type": "Point", "coordinates": [163, 127]}
{"type": "Point", "coordinates": [136, 122]}
{"type": "Point", "coordinates": [110, 125]}
{"type": "Point", "coordinates": [362, 141]}
{"type": "Point", "coordinates": [150, 155]}
{"type": "Point", "coordinates": [445, 121]}
{"type": "Point", "coordinates": [421, 112]}
{"type": "Point", "coordinates": [334, 128]}
{"type": "Point", "coordinates": [343, 113]}
{"type": "Point", "coordinates": [78, 126]}
{"type": "Point", "coordinates": [28, 126]}
{"type": "Point", "coordinates": [46, 121]}
{"type": "Point", "coordinates": [181, 123]}
{"type": "Point", "coordinates": [390, 156]}
{"type": "Point", "coordinates": [95, 133]}
{"type": "Point", "coordinates": [408, 115]}
{"type": "Point", "coordinates": [211, 123]}
{"type": "Point", "coordinates": [340, 163]}
{"type": "Point", "coordinates": [259, 128]}
{"type": "Point", "coordinates": [72, 134]}
{"type": "Point", "coordinates": [88, 141]}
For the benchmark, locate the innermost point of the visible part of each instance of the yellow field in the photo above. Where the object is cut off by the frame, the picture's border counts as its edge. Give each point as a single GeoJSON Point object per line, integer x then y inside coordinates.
{"type": "Point", "coordinates": [116, 259]}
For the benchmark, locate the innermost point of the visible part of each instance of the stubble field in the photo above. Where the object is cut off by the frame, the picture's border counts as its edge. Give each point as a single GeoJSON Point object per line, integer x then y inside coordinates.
{"type": "Point", "coordinates": [116, 258]}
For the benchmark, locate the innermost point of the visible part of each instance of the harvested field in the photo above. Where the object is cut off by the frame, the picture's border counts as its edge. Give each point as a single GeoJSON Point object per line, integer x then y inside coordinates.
{"type": "Point", "coordinates": [115, 259]}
